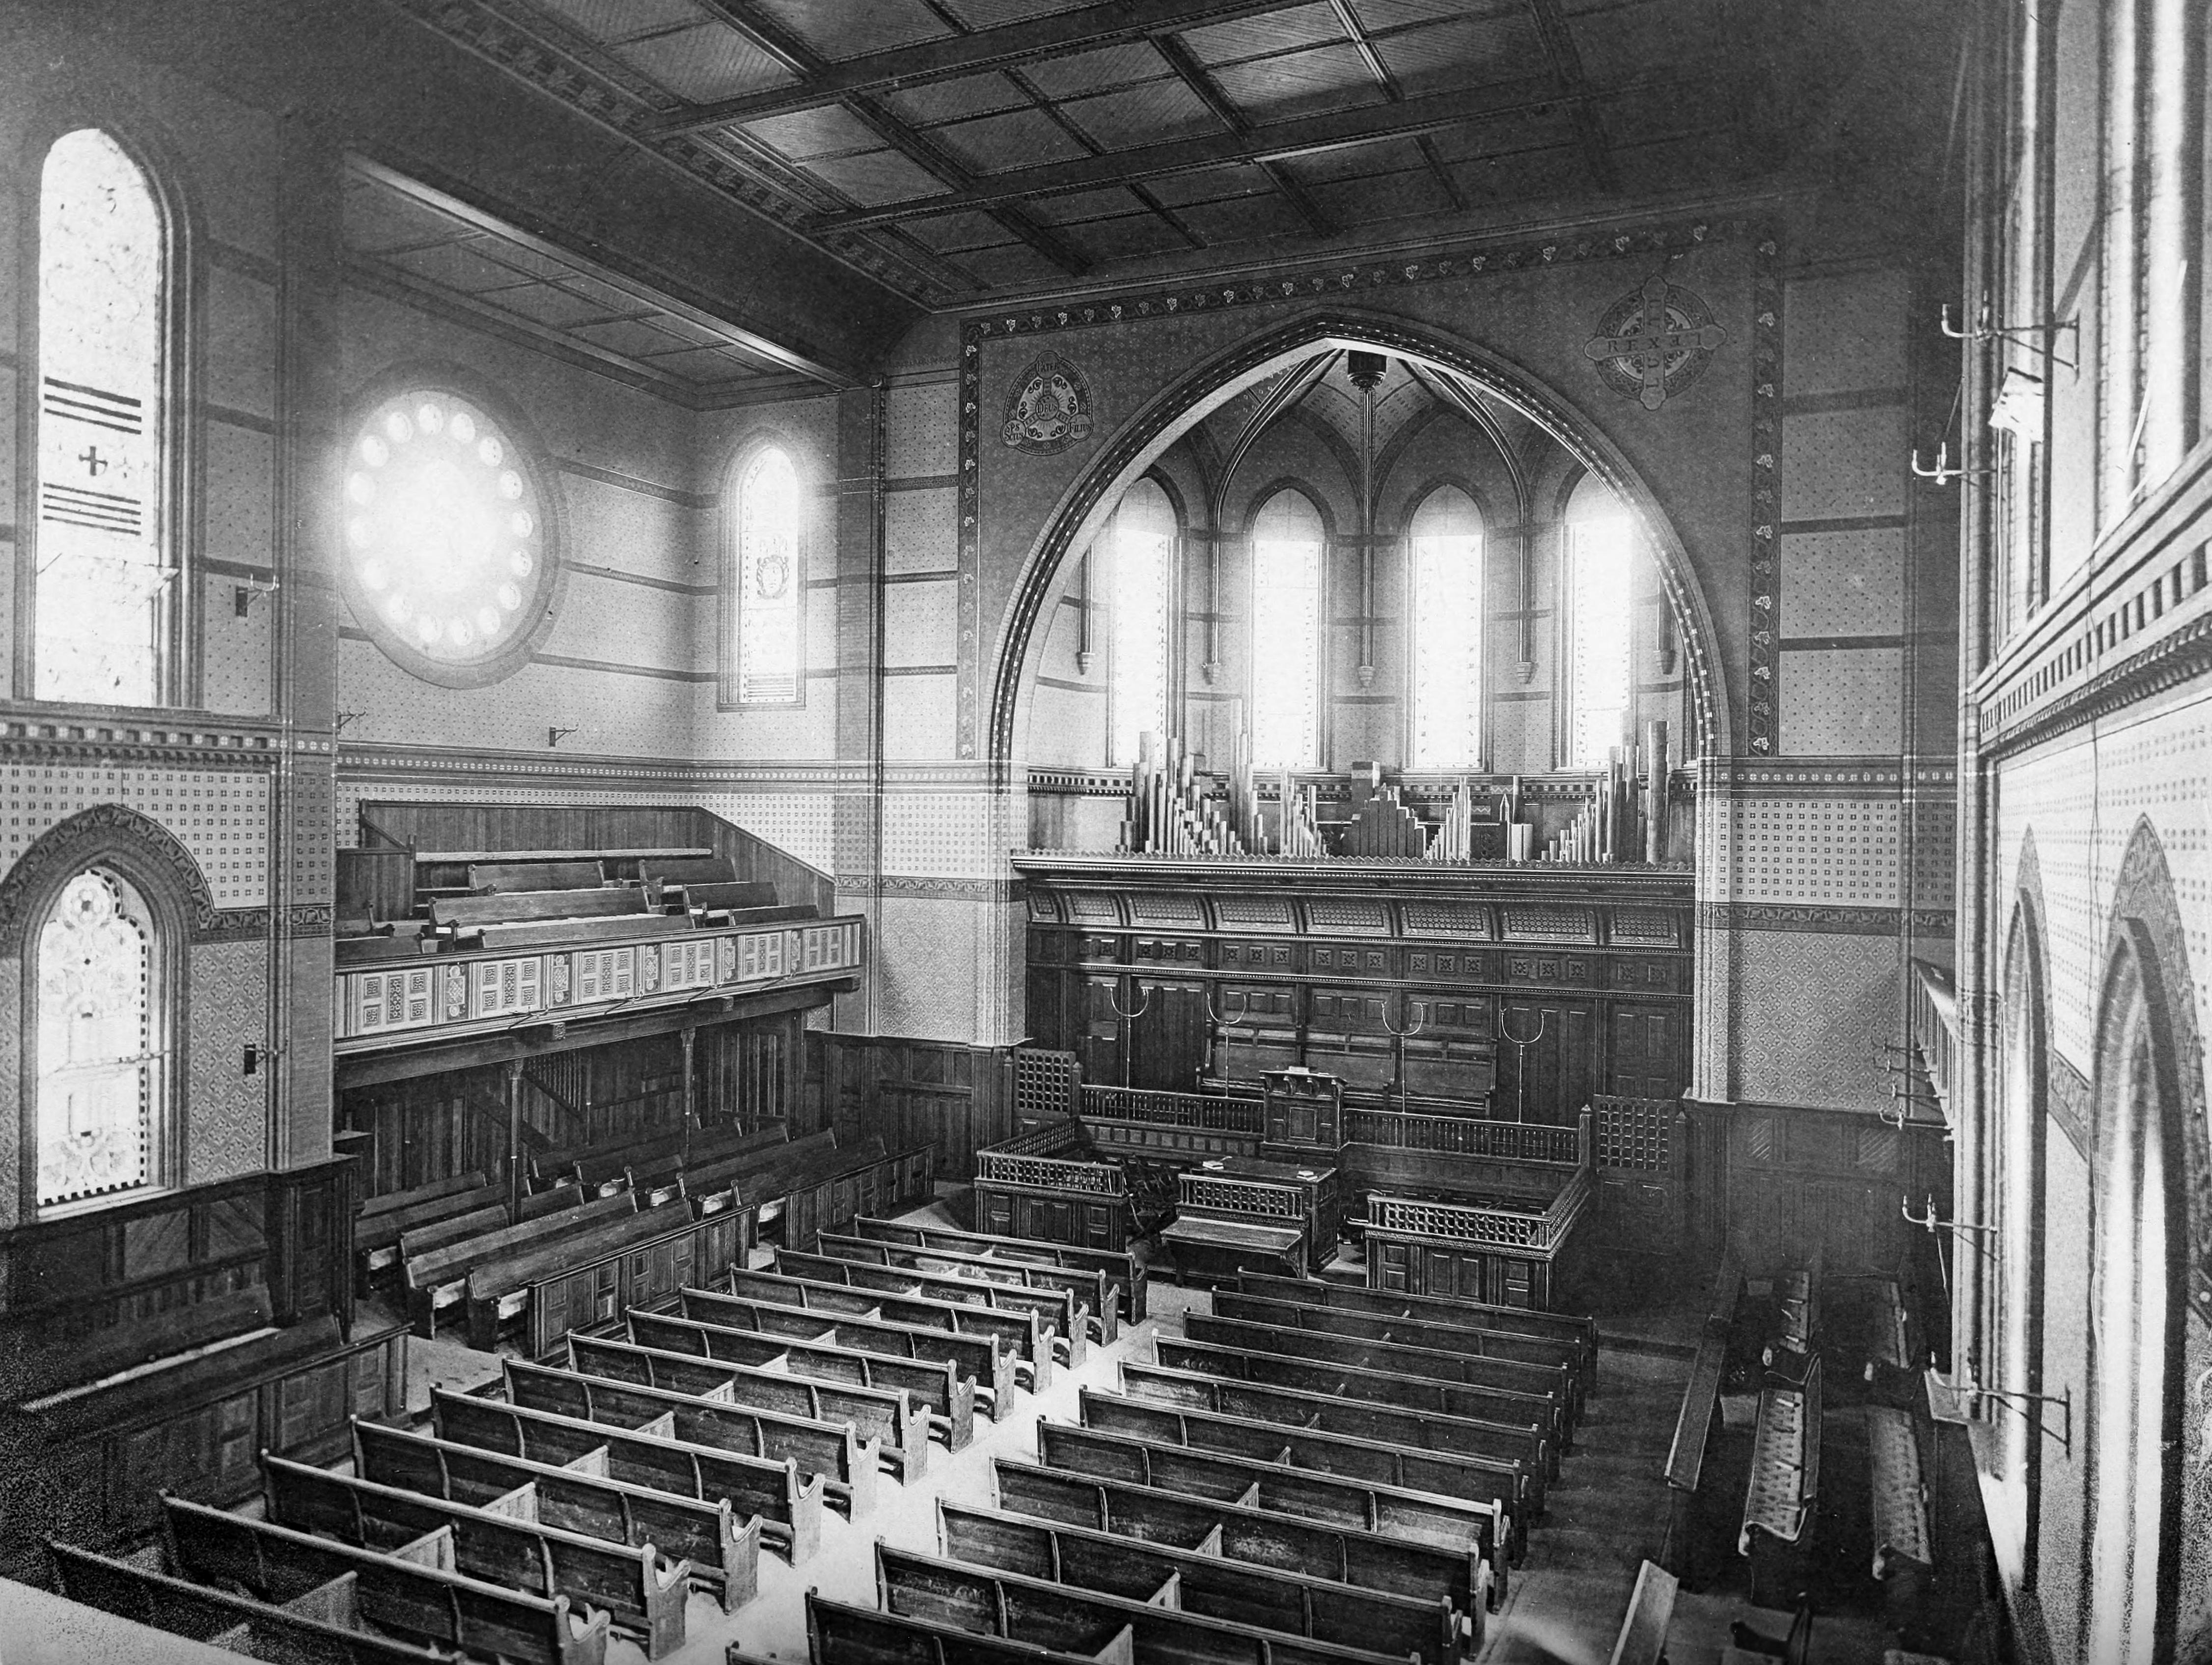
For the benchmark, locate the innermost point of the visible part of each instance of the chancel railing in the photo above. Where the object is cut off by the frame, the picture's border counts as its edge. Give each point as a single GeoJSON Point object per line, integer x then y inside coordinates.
{"type": "Point", "coordinates": [1459, 1135]}
{"type": "Point", "coordinates": [1175, 1109]}
{"type": "Point", "coordinates": [1525, 1225]}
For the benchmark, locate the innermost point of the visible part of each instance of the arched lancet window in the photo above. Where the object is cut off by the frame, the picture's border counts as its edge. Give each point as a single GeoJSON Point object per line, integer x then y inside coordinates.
{"type": "Point", "coordinates": [100, 1035]}
{"type": "Point", "coordinates": [770, 588]}
{"type": "Point", "coordinates": [1596, 571]}
{"type": "Point", "coordinates": [100, 602]}
{"type": "Point", "coordinates": [1139, 544]}
{"type": "Point", "coordinates": [1287, 540]}
{"type": "Point", "coordinates": [1444, 559]}
{"type": "Point", "coordinates": [2131, 1287]}
{"type": "Point", "coordinates": [2003, 1351]}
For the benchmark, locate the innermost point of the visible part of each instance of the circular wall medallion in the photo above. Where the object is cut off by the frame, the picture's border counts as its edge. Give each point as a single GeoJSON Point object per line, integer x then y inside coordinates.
{"type": "Point", "coordinates": [1653, 344]}
{"type": "Point", "coordinates": [1050, 407]}
{"type": "Point", "coordinates": [449, 561]}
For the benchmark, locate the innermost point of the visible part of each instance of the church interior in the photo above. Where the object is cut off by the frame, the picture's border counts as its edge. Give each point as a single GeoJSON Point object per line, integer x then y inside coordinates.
{"type": "Point", "coordinates": [993, 832]}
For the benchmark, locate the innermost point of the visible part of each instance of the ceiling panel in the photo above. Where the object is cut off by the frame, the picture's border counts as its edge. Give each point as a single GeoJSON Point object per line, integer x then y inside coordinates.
{"type": "Point", "coordinates": [1632, 42]}
{"type": "Point", "coordinates": [1206, 184]}
{"type": "Point", "coordinates": [989, 14]}
{"type": "Point", "coordinates": [944, 233]}
{"type": "Point", "coordinates": [1094, 70]}
{"type": "Point", "coordinates": [1271, 31]}
{"type": "Point", "coordinates": [956, 99]}
{"type": "Point", "coordinates": [1376, 15]}
{"type": "Point", "coordinates": [1019, 138]}
{"type": "Point", "coordinates": [376, 218]}
{"type": "Point", "coordinates": [632, 336]}
{"type": "Point", "coordinates": [1147, 114]}
{"type": "Point", "coordinates": [699, 364]}
{"type": "Point", "coordinates": [621, 20]}
{"type": "Point", "coordinates": [841, 28]}
{"type": "Point", "coordinates": [1237, 218]}
{"type": "Point", "coordinates": [877, 176]}
{"type": "Point", "coordinates": [1127, 238]}
{"type": "Point", "coordinates": [1015, 265]}
{"type": "Point", "coordinates": [1524, 177]}
{"type": "Point", "coordinates": [545, 303]}
{"type": "Point", "coordinates": [1300, 83]}
{"type": "Point", "coordinates": [1357, 161]}
{"type": "Point", "coordinates": [1073, 205]}
{"type": "Point", "coordinates": [1506, 136]}
{"type": "Point", "coordinates": [454, 266]}
{"type": "Point", "coordinates": [1472, 51]}
{"type": "Point", "coordinates": [710, 62]}
{"type": "Point", "coordinates": [1384, 196]}
{"type": "Point", "coordinates": [827, 132]}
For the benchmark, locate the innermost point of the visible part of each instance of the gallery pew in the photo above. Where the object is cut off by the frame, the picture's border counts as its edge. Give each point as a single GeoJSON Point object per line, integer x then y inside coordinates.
{"type": "Point", "coordinates": [1502, 1485]}
{"type": "Point", "coordinates": [847, 1462]}
{"type": "Point", "coordinates": [790, 1511]}
{"type": "Point", "coordinates": [1069, 1315]}
{"type": "Point", "coordinates": [936, 1388]}
{"type": "Point", "coordinates": [722, 1548]}
{"type": "Point", "coordinates": [886, 1416]}
{"type": "Point", "coordinates": [1074, 1620]}
{"type": "Point", "coordinates": [1544, 1391]}
{"type": "Point", "coordinates": [1028, 1336]}
{"type": "Point", "coordinates": [417, 1594]}
{"type": "Point", "coordinates": [1522, 1446]}
{"type": "Point", "coordinates": [985, 1360]}
{"type": "Point", "coordinates": [1319, 1609]}
{"type": "Point", "coordinates": [1578, 1331]}
{"type": "Point", "coordinates": [640, 1590]}
{"type": "Point", "coordinates": [1119, 1266]}
{"type": "Point", "coordinates": [1402, 1566]}
{"type": "Point", "coordinates": [1382, 1386]}
{"type": "Point", "coordinates": [1333, 1499]}
{"type": "Point", "coordinates": [1091, 1287]}
{"type": "Point", "coordinates": [322, 1625]}
{"type": "Point", "coordinates": [1780, 1501]}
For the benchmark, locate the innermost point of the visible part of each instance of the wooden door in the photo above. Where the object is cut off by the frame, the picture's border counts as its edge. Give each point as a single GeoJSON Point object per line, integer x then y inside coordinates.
{"type": "Point", "coordinates": [1557, 1069]}
{"type": "Point", "coordinates": [1646, 1058]}
{"type": "Point", "coordinates": [1101, 1047]}
{"type": "Point", "coordinates": [1168, 1036]}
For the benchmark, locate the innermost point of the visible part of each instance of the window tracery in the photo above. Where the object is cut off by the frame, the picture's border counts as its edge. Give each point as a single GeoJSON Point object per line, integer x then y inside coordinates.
{"type": "Point", "coordinates": [1287, 542]}
{"type": "Point", "coordinates": [99, 1043]}
{"type": "Point", "coordinates": [770, 586]}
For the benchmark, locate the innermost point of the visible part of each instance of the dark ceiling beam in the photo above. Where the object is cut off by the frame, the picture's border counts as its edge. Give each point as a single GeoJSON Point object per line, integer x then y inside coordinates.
{"type": "Point", "coordinates": [1276, 141]}
{"type": "Point", "coordinates": [1356, 32]}
{"type": "Point", "coordinates": [1193, 74]}
{"type": "Point", "coordinates": [1567, 64]}
{"type": "Point", "coordinates": [796, 56]}
{"type": "Point", "coordinates": [1080, 30]}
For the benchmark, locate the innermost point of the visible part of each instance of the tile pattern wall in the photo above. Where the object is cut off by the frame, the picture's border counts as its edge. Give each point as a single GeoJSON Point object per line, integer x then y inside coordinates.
{"type": "Point", "coordinates": [220, 816]}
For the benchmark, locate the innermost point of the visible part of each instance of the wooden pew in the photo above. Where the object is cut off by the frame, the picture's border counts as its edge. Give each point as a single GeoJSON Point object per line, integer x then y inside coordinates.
{"type": "Point", "coordinates": [1579, 1332]}
{"type": "Point", "coordinates": [1551, 1364]}
{"type": "Point", "coordinates": [657, 872]}
{"type": "Point", "coordinates": [736, 1167]}
{"type": "Point", "coordinates": [1069, 1318]}
{"type": "Point", "coordinates": [435, 1190]}
{"type": "Point", "coordinates": [1643, 1637]}
{"type": "Point", "coordinates": [1401, 1566]}
{"type": "Point", "coordinates": [1690, 1549]}
{"type": "Point", "coordinates": [846, 1463]}
{"type": "Point", "coordinates": [417, 1594]}
{"type": "Point", "coordinates": [376, 1236]}
{"type": "Point", "coordinates": [1523, 1446]}
{"type": "Point", "coordinates": [1256, 1353]}
{"type": "Point", "coordinates": [985, 1360]}
{"type": "Point", "coordinates": [839, 1633]}
{"type": "Point", "coordinates": [575, 1280]}
{"type": "Point", "coordinates": [938, 1388]}
{"type": "Point", "coordinates": [1903, 1550]}
{"type": "Point", "coordinates": [1092, 1288]}
{"type": "Point", "coordinates": [1025, 1335]}
{"type": "Point", "coordinates": [604, 1169]}
{"type": "Point", "coordinates": [641, 1593]}
{"type": "Point", "coordinates": [563, 1194]}
{"type": "Point", "coordinates": [1061, 1617]}
{"type": "Point", "coordinates": [418, 1241]}
{"type": "Point", "coordinates": [439, 1279]}
{"type": "Point", "coordinates": [1797, 1293]}
{"type": "Point", "coordinates": [808, 1194]}
{"type": "Point", "coordinates": [1547, 1385]}
{"type": "Point", "coordinates": [886, 1416]}
{"type": "Point", "coordinates": [790, 1511]}
{"type": "Point", "coordinates": [1332, 1499]}
{"type": "Point", "coordinates": [1780, 1501]}
{"type": "Point", "coordinates": [1501, 1486]}
{"type": "Point", "coordinates": [723, 1552]}
{"type": "Point", "coordinates": [1121, 1268]}
{"type": "Point", "coordinates": [451, 915]}
{"type": "Point", "coordinates": [261, 1630]}
{"type": "Point", "coordinates": [1319, 1609]}
{"type": "Point", "coordinates": [574, 874]}
{"type": "Point", "coordinates": [580, 932]}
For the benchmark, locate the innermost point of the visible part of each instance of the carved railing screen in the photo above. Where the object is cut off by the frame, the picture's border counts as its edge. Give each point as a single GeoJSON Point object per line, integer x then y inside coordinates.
{"type": "Point", "coordinates": [1640, 1148]}
{"type": "Point", "coordinates": [1503, 1141]}
{"type": "Point", "coordinates": [1173, 1110]}
{"type": "Point", "coordinates": [1526, 1223]}
{"type": "Point", "coordinates": [1046, 1083]}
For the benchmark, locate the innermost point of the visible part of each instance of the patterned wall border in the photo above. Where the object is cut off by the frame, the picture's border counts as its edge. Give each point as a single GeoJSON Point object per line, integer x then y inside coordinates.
{"type": "Point", "coordinates": [1821, 919]}
{"type": "Point", "coordinates": [35, 740]}
{"type": "Point", "coordinates": [906, 887]}
{"type": "Point", "coordinates": [1762, 689]}
{"type": "Point", "coordinates": [1337, 281]}
{"type": "Point", "coordinates": [382, 762]}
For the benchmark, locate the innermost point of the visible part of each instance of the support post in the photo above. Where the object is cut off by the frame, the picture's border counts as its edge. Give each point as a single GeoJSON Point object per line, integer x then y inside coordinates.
{"type": "Point", "coordinates": [514, 1139]}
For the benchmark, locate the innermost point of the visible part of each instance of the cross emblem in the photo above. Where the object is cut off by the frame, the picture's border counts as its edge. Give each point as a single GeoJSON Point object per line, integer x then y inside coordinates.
{"type": "Point", "coordinates": [94, 464]}
{"type": "Point", "coordinates": [1649, 334]}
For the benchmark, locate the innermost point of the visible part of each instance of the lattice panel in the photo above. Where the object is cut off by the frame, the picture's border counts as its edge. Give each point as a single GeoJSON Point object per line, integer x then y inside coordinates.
{"type": "Point", "coordinates": [1633, 1134]}
{"type": "Point", "coordinates": [1336, 916]}
{"type": "Point", "coordinates": [1232, 1196]}
{"type": "Point", "coordinates": [1151, 908]}
{"type": "Point", "coordinates": [1447, 919]}
{"type": "Point", "coordinates": [1646, 928]}
{"type": "Point", "coordinates": [1485, 1228]}
{"type": "Point", "coordinates": [1043, 1174]}
{"type": "Point", "coordinates": [1255, 912]}
{"type": "Point", "coordinates": [1548, 925]}
{"type": "Point", "coordinates": [1093, 907]}
{"type": "Point", "coordinates": [1045, 1084]}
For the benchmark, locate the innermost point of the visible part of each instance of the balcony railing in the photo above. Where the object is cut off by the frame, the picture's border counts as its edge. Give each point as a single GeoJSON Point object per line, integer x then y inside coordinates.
{"type": "Point", "coordinates": [1934, 1002]}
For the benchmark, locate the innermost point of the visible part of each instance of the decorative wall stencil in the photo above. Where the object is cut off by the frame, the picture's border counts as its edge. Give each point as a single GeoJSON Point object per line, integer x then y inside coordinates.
{"type": "Point", "coordinates": [1652, 345]}
{"type": "Point", "coordinates": [1764, 692]}
{"type": "Point", "coordinates": [1049, 409]}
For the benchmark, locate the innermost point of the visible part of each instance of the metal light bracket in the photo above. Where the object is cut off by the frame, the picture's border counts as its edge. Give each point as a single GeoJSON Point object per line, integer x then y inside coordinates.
{"type": "Point", "coordinates": [2065, 1401]}
{"type": "Point", "coordinates": [2019, 335]}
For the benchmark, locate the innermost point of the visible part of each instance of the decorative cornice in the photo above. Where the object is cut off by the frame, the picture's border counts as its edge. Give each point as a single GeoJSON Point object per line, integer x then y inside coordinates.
{"type": "Point", "coordinates": [1821, 918]}
{"type": "Point", "coordinates": [366, 762]}
{"type": "Point", "coordinates": [34, 737]}
{"type": "Point", "coordinates": [2169, 663]}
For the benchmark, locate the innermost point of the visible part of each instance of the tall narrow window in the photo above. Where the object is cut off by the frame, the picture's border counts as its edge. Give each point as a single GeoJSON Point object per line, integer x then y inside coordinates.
{"type": "Point", "coordinates": [1287, 536]}
{"type": "Point", "coordinates": [1598, 545]}
{"type": "Point", "coordinates": [1444, 551]}
{"type": "Point", "coordinates": [103, 427]}
{"type": "Point", "coordinates": [1140, 545]}
{"type": "Point", "coordinates": [770, 592]}
{"type": "Point", "coordinates": [99, 1041]}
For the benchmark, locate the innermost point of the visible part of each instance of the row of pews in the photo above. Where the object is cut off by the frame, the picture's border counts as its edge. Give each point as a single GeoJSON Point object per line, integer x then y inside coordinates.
{"type": "Point", "coordinates": [1203, 1513]}
{"type": "Point", "coordinates": [584, 1495]}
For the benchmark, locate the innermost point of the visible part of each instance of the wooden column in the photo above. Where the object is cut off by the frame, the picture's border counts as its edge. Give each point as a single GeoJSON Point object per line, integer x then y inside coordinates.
{"type": "Point", "coordinates": [689, 1034]}
{"type": "Point", "coordinates": [514, 1139]}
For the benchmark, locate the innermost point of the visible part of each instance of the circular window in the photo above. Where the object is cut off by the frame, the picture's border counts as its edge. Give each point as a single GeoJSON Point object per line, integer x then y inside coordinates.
{"type": "Point", "coordinates": [449, 564]}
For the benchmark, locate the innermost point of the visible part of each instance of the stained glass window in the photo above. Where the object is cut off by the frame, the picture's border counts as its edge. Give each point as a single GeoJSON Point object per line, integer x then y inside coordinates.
{"type": "Point", "coordinates": [1599, 544]}
{"type": "Point", "coordinates": [1444, 547]}
{"type": "Point", "coordinates": [102, 566]}
{"type": "Point", "coordinates": [1287, 535]}
{"type": "Point", "coordinates": [1139, 554]}
{"type": "Point", "coordinates": [768, 581]}
{"type": "Point", "coordinates": [97, 1040]}
{"type": "Point", "coordinates": [446, 563]}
